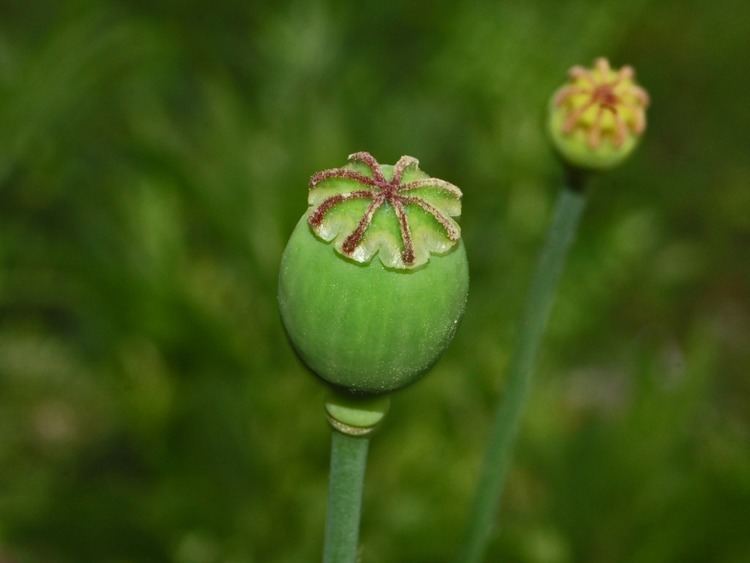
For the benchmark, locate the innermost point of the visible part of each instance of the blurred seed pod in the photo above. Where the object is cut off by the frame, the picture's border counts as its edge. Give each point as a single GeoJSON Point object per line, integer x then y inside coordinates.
{"type": "Point", "coordinates": [596, 119]}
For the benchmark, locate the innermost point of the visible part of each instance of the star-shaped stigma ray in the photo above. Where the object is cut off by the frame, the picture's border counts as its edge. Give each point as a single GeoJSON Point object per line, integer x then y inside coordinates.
{"type": "Point", "coordinates": [397, 212]}
{"type": "Point", "coordinates": [603, 103]}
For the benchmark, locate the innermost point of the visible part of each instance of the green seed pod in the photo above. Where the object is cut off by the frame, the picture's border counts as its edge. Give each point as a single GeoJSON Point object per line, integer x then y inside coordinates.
{"type": "Point", "coordinates": [596, 120]}
{"type": "Point", "coordinates": [374, 278]}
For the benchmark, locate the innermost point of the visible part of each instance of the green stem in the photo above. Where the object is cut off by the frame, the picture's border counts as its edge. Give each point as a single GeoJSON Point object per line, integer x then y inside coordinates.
{"type": "Point", "coordinates": [568, 209]}
{"type": "Point", "coordinates": [348, 460]}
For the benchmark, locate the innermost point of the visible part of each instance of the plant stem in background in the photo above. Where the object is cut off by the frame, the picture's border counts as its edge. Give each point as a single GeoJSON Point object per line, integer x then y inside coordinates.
{"type": "Point", "coordinates": [568, 209]}
{"type": "Point", "coordinates": [348, 460]}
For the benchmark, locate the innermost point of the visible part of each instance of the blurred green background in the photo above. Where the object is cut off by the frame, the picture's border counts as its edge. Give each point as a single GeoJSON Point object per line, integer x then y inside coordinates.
{"type": "Point", "coordinates": [154, 156]}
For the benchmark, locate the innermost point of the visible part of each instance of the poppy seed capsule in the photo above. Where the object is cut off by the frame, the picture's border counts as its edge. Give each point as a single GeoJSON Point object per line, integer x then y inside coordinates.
{"type": "Point", "coordinates": [596, 120]}
{"type": "Point", "coordinates": [374, 278]}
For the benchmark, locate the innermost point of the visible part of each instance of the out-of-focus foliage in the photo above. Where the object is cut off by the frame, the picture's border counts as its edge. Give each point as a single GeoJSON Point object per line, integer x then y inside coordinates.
{"type": "Point", "coordinates": [154, 158]}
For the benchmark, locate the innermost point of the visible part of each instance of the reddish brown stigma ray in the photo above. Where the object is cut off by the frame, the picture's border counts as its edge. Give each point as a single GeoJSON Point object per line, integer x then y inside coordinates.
{"type": "Point", "coordinates": [380, 191]}
{"type": "Point", "coordinates": [606, 95]}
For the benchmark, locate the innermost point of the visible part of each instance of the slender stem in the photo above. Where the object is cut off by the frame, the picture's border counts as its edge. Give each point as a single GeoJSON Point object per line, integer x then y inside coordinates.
{"type": "Point", "coordinates": [568, 209]}
{"type": "Point", "coordinates": [348, 460]}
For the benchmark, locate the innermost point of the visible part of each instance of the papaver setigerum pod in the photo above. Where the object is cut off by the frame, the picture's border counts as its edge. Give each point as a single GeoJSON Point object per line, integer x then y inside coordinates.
{"type": "Point", "coordinates": [596, 120]}
{"type": "Point", "coordinates": [374, 278]}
